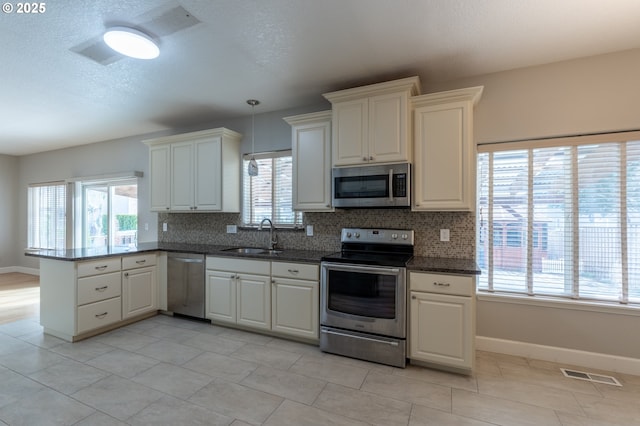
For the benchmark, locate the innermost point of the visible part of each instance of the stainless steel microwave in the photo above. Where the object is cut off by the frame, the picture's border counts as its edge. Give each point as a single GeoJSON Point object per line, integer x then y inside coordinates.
{"type": "Point", "coordinates": [377, 186]}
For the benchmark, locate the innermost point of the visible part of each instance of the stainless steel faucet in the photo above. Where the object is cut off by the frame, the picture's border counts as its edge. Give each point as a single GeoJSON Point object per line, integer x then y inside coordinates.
{"type": "Point", "coordinates": [273, 239]}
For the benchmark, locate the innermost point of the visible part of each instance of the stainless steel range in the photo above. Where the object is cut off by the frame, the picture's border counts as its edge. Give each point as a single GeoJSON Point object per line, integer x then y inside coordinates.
{"type": "Point", "coordinates": [363, 295]}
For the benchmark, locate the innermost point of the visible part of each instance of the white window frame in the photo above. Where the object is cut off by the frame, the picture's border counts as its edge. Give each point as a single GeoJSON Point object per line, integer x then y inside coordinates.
{"type": "Point", "coordinates": [34, 219]}
{"type": "Point", "coordinates": [247, 199]}
{"type": "Point", "coordinates": [485, 218]}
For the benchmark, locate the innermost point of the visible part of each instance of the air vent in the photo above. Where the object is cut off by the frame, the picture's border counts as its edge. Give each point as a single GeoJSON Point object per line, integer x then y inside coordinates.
{"type": "Point", "coordinates": [157, 22]}
{"type": "Point", "coordinates": [590, 377]}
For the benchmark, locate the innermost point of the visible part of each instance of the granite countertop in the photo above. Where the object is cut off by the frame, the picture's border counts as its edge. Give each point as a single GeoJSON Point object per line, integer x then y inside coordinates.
{"type": "Point", "coordinates": [444, 265]}
{"type": "Point", "coordinates": [311, 256]}
{"type": "Point", "coordinates": [417, 263]}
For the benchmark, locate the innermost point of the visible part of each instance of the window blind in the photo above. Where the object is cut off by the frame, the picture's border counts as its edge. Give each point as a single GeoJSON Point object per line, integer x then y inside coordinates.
{"type": "Point", "coordinates": [561, 217]}
{"type": "Point", "coordinates": [270, 195]}
{"type": "Point", "coordinates": [46, 216]}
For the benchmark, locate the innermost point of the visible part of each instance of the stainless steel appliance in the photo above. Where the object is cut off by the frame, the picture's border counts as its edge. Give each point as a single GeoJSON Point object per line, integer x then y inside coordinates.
{"type": "Point", "coordinates": [380, 186]}
{"type": "Point", "coordinates": [363, 295]}
{"type": "Point", "coordinates": [185, 284]}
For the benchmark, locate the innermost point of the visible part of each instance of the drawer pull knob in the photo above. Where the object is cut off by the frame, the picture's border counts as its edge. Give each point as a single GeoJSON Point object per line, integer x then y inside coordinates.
{"type": "Point", "coordinates": [141, 262]}
{"type": "Point", "coordinates": [102, 315]}
{"type": "Point", "coordinates": [101, 268]}
{"type": "Point", "coordinates": [103, 288]}
{"type": "Point", "coordinates": [442, 284]}
{"type": "Point", "coordinates": [126, 275]}
{"type": "Point", "coordinates": [293, 271]}
{"type": "Point", "coordinates": [414, 297]}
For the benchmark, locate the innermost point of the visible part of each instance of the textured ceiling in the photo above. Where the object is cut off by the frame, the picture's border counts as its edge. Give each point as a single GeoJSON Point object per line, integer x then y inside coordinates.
{"type": "Point", "coordinates": [285, 53]}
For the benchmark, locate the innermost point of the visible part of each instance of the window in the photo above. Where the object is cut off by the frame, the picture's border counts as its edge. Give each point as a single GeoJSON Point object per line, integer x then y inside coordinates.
{"type": "Point", "coordinates": [110, 213]}
{"type": "Point", "coordinates": [569, 210]}
{"type": "Point", "coordinates": [269, 195]}
{"type": "Point", "coordinates": [47, 216]}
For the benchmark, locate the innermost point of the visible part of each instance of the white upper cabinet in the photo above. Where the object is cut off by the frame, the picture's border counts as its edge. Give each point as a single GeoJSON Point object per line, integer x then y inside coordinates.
{"type": "Point", "coordinates": [311, 151]}
{"type": "Point", "coordinates": [371, 124]}
{"type": "Point", "coordinates": [159, 178]}
{"type": "Point", "coordinates": [444, 166]}
{"type": "Point", "coordinates": [195, 172]}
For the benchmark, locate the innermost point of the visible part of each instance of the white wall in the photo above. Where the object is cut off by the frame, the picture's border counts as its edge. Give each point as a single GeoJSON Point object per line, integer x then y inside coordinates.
{"type": "Point", "coordinates": [597, 94]}
{"type": "Point", "coordinates": [8, 211]}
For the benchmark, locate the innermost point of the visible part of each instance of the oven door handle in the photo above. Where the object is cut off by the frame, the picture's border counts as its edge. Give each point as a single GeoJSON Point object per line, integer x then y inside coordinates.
{"type": "Point", "coordinates": [350, 267]}
{"type": "Point", "coordinates": [369, 339]}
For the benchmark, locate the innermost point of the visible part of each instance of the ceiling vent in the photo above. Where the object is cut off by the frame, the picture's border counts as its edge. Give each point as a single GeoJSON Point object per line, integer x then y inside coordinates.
{"type": "Point", "coordinates": [159, 22]}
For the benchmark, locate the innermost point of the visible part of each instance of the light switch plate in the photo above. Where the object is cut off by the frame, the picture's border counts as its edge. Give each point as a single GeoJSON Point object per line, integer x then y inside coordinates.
{"type": "Point", "coordinates": [164, 226]}
{"type": "Point", "coordinates": [444, 235]}
{"type": "Point", "coordinates": [309, 230]}
{"type": "Point", "coordinates": [232, 229]}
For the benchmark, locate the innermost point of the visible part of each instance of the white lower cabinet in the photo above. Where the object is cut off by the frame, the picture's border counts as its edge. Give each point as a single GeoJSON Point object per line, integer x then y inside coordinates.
{"type": "Point", "coordinates": [139, 291]}
{"type": "Point", "coordinates": [238, 291]}
{"type": "Point", "coordinates": [84, 298]}
{"type": "Point", "coordinates": [276, 296]}
{"type": "Point", "coordinates": [442, 320]}
{"type": "Point", "coordinates": [295, 299]}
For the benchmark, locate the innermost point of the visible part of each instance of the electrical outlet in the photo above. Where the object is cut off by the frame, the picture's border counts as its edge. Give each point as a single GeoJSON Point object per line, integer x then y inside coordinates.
{"type": "Point", "coordinates": [444, 235]}
{"type": "Point", "coordinates": [309, 230]}
{"type": "Point", "coordinates": [232, 229]}
{"type": "Point", "coordinates": [164, 227]}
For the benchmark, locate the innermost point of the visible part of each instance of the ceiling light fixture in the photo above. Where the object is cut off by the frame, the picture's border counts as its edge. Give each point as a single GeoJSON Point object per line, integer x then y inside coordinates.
{"type": "Point", "coordinates": [252, 168]}
{"type": "Point", "coordinates": [131, 42]}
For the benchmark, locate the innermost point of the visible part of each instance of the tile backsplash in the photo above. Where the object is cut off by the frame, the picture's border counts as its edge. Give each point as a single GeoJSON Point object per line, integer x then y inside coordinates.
{"type": "Point", "coordinates": [211, 228]}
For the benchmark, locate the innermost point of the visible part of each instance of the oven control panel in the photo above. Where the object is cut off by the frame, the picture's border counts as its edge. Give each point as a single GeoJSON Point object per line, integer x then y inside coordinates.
{"type": "Point", "coordinates": [379, 236]}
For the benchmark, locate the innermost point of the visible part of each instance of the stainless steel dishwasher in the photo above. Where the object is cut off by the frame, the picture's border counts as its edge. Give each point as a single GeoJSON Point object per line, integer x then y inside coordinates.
{"type": "Point", "coordinates": [185, 284]}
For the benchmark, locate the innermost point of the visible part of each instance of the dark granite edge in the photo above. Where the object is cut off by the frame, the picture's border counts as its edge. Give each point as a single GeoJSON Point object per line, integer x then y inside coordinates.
{"type": "Point", "coordinates": [74, 255]}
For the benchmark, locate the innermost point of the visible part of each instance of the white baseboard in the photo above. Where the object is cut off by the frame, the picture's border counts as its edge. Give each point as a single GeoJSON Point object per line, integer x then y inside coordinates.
{"type": "Point", "coordinates": [21, 269]}
{"type": "Point", "coordinates": [560, 355]}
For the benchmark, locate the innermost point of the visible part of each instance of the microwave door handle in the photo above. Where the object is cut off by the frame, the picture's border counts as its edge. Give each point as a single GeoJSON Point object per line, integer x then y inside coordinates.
{"type": "Point", "coordinates": [391, 185]}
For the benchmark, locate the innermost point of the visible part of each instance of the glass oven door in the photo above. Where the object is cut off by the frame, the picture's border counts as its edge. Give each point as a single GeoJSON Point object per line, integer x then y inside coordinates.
{"type": "Point", "coordinates": [364, 298]}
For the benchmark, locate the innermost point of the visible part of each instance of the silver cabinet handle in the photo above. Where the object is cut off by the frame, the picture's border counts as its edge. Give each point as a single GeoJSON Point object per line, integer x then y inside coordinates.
{"type": "Point", "coordinates": [441, 284]}
{"type": "Point", "coordinates": [102, 315]}
{"type": "Point", "coordinates": [141, 262]}
{"type": "Point", "coordinates": [101, 268]}
{"type": "Point", "coordinates": [103, 288]}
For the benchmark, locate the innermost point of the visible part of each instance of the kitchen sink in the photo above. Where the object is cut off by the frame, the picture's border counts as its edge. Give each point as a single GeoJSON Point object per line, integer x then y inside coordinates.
{"type": "Point", "coordinates": [252, 250]}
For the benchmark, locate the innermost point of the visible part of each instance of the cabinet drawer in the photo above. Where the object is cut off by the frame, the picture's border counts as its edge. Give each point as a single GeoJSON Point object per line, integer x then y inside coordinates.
{"type": "Point", "coordinates": [459, 285]}
{"type": "Point", "coordinates": [138, 261]}
{"type": "Point", "coordinates": [101, 266]}
{"type": "Point", "coordinates": [301, 271]}
{"type": "Point", "coordinates": [243, 266]}
{"type": "Point", "coordinates": [99, 314]}
{"type": "Point", "coordinates": [98, 287]}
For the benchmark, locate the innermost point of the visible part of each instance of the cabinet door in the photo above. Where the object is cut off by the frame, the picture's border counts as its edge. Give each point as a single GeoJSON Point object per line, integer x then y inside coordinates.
{"type": "Point", "coordinates": [182, 176]}
{"type": "Point", "coordinates": [311, 150]}
{"type": "Point", "coordinates": [139, 287]}
{"type": "Point", "coordinates": [294, 307]}
{"type": "Point", "coordinates": [159, 178]}
{"type": "Point", "coordinates": [444, 169]}
{"type": "Point", "coordinates": [350, 132]}
{"type": "Point", "coordinates": [254, 301]}
{"type": "Point", "coordinates": [441, 329]}
{"type": "Point", "coordinates": [208, 173]}
{"type": "Point", "coordinates": [388, 123]}
{"type": "Point", "coordinates": [220, 304]}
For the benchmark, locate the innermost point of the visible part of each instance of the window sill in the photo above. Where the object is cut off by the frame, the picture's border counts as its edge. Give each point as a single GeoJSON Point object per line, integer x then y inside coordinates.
{"type": "Point", "coordinates": [559, 303]}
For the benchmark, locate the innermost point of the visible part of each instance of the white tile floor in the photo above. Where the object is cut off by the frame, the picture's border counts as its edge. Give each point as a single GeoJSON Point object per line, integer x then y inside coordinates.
{"type": "Point", "coordinates": [170, 371]}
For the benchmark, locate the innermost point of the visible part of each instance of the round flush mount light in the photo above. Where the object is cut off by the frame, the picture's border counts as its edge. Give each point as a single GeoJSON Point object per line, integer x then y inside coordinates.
{"type": "Point", "coordinates": [131, 42]}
